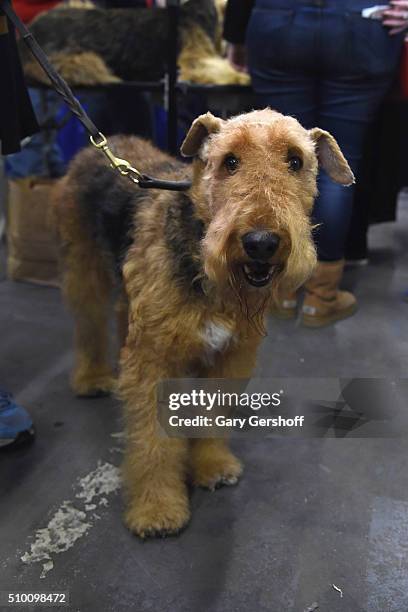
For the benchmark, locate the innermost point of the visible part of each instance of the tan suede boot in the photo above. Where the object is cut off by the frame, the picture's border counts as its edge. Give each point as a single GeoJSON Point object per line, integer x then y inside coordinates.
{"type": "Point", "coordinates": [285, 306]}
{"type": "Point", "coordinates": [324, 303]}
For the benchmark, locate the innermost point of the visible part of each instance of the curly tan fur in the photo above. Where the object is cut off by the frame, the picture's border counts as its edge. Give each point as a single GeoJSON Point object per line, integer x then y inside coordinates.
{"type": "Point", "coordinates": [167, 318]}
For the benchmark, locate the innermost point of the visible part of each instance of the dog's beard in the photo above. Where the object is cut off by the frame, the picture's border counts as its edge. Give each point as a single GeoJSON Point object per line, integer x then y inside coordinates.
{"type": "Point", "coordinates": [286, 277]}
{"type": "Point", "coordinates": [253, 303]}
{"type": "Point", "coordinates": [224, 268]}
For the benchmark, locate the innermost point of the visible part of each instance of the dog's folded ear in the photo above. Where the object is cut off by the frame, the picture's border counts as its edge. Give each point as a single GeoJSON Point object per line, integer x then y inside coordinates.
{"type": "Point", "coordinates": [331, 158]}
{"type": "Point", "coordinates": [200, 129]}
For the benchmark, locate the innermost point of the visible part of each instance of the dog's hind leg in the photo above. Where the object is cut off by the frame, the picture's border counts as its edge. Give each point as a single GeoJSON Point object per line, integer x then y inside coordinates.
{"type": "Point", "coordinates": [87, 287]}
{"type": "Point", "coordinates": [87, 284]}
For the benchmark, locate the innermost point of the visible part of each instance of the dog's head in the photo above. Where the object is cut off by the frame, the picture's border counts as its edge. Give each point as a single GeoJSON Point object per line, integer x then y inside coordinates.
{"type": "Point", "coordinates": [255, 184]}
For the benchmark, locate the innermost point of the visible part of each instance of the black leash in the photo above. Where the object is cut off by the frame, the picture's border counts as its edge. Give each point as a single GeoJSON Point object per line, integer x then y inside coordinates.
{"type": "Point", "coordinates": [97, 139]}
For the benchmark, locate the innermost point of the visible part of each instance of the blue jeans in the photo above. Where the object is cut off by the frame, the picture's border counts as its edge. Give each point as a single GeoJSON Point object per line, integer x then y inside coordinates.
{"type": "Point", "coordinates": [328, 67]}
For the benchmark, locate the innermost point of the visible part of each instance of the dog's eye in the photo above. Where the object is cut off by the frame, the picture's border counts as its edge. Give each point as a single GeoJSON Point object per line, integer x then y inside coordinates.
{"type": "Point", "coordinates": [295, 163]}
{"type": "Point", "coordinates": [231, 163]}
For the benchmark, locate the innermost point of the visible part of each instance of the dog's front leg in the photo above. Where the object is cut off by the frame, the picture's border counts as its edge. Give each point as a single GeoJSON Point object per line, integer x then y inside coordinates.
{"type": "Point", "coordinates": [154, 469]}
{"type": "Point", "coordinates": [212, 463]}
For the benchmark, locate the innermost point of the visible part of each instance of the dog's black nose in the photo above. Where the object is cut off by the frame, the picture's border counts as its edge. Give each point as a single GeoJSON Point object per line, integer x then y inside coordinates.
{"type": "Point", "coordinates": [261, 245]}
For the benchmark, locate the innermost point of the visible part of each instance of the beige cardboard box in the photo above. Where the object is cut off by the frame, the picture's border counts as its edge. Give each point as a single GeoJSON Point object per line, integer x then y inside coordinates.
{"type": "Point", "coordinates": [31, 236]}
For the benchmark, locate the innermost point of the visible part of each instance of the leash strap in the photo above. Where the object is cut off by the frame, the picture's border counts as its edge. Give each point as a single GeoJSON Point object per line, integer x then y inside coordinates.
{"type": "Point", "coordinates": [98, 140]}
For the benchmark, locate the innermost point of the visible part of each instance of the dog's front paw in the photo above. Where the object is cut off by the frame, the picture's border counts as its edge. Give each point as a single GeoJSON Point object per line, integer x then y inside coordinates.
{"type": "Point", "coordinates": [158, 516]}
{"type": "Point", "coordinates": [93, 383]}
{"type": "Point", "coordinates": [223, 468]}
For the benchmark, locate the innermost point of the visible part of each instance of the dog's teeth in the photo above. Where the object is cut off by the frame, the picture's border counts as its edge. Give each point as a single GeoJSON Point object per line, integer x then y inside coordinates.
{"type": "Point", "coordinates": [257, 279]}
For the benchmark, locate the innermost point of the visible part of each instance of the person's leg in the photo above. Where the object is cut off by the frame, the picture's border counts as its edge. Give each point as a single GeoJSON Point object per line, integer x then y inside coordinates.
{"type": "Point", "coordinates": [346, 110]}
{"type": "Point", "coordinates": [355, 78]}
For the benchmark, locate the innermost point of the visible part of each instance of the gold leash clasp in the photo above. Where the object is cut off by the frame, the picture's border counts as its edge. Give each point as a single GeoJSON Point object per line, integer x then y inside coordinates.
{"type": "Point", "coordinates": [122, 165]}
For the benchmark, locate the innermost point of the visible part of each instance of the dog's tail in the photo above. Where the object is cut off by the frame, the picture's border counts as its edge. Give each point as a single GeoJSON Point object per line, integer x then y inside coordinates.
{"type": "Point", "coordinates": [78, 69]}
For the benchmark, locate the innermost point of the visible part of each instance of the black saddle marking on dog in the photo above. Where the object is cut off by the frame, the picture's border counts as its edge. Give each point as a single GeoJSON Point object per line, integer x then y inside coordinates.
{"type": "Point", "coordinates": [108, 208]}
{"type": "Point", "coordinates": [108, 204]}
{"type": "Point", "coordinates": [183, 234]}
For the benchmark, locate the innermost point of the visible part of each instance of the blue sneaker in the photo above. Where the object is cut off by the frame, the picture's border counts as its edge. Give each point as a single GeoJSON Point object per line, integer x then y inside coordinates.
{"type": "Point", "coordinates": [15, 423]}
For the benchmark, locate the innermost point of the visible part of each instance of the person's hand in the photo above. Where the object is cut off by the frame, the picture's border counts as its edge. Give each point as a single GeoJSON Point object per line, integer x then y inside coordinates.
{"type": "Point", "coordinates": [396, 17]}
{"type": "Point", "coordinates": [236, 55]}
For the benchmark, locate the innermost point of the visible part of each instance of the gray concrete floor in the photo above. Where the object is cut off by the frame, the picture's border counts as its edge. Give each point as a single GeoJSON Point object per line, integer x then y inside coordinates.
{"type": "Point", "coordinates": [307, 514]}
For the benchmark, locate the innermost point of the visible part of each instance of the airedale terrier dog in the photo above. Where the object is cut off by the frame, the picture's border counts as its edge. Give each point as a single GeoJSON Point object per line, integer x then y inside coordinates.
{"type": "Point", "coordinates": [197, 272]}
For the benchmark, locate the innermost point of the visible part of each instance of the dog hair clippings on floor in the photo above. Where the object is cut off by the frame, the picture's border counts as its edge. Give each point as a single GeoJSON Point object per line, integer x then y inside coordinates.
{"type": "Point", "coordinates": [97, 139]}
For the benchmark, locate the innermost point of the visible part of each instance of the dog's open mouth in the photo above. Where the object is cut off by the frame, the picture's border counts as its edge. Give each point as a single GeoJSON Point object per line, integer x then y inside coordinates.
{"type": "Point", "coordinates": [257, 273]}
